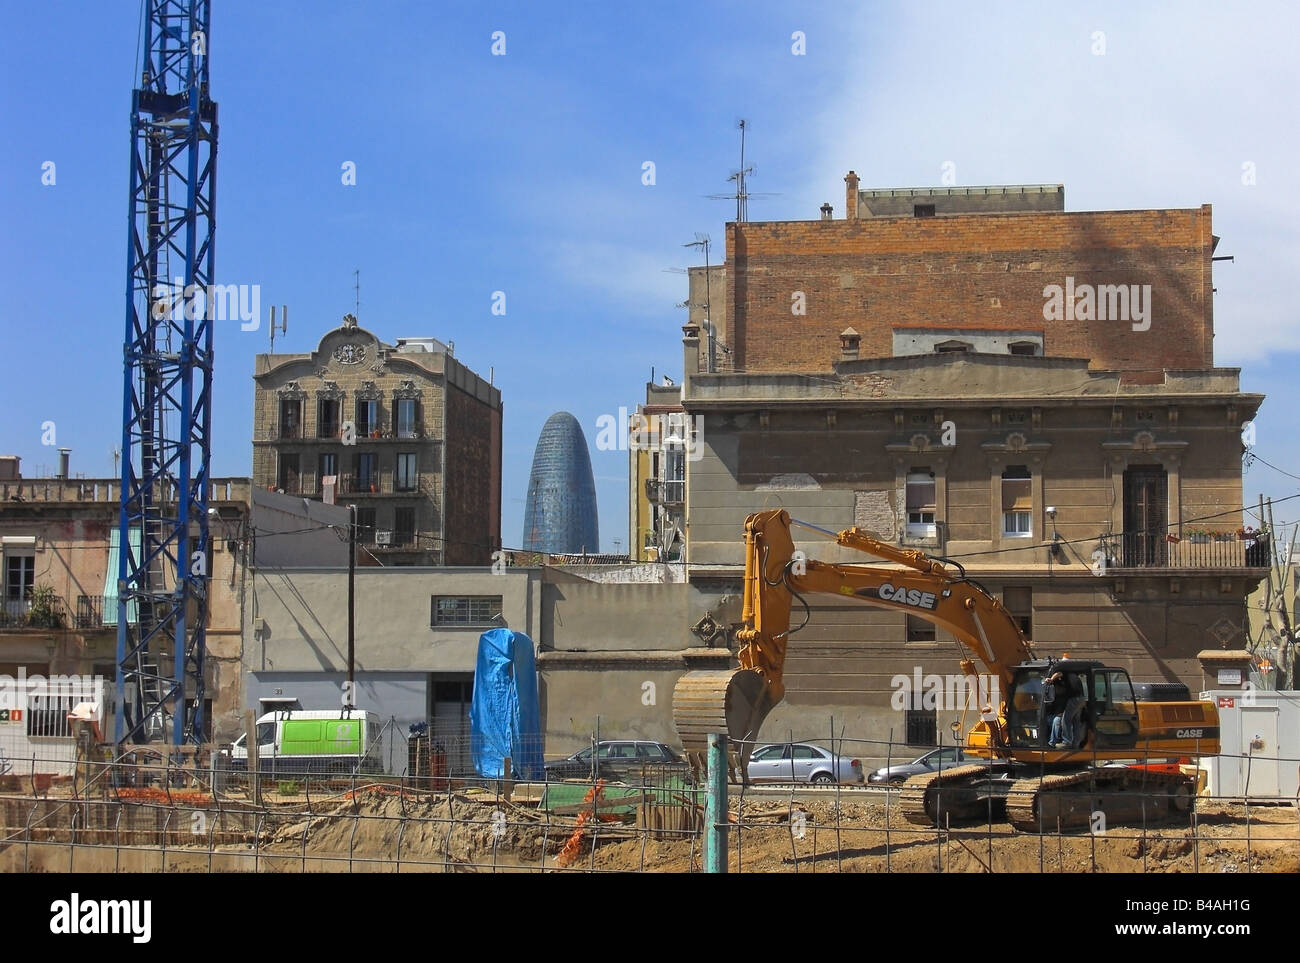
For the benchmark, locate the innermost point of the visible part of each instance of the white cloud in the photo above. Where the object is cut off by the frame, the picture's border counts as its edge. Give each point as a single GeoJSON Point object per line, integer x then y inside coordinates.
{"type": "Point", "coordinates": [1182, 97]}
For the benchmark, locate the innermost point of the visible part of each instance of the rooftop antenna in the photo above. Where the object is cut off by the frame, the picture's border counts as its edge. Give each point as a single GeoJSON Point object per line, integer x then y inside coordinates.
{"type": "Point", "coordinates": [357, 287]}
{"type": "Point", "coordinates": [284, 323]}
{"type": "Point", "coordinates": [742, 195]}
{"type": "Point", "coordinates": [702, 241]}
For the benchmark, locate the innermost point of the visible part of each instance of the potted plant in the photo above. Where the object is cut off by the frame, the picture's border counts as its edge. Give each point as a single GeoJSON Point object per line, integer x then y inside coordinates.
{"type": "Point", "coordinates": [46, 612]}
{"type": "Point", "coordinates": [1197, 536]}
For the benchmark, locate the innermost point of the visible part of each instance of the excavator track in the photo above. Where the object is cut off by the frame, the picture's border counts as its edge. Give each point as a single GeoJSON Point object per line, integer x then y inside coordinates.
{"type": "Point", "coordinates": [932, 798]}
{"type": "Point", "coordinates": [1116, 795]}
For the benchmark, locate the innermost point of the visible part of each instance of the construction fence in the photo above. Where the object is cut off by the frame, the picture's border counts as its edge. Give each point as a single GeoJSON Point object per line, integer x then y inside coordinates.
{"type": "Point", "coordinates": [149, 811]}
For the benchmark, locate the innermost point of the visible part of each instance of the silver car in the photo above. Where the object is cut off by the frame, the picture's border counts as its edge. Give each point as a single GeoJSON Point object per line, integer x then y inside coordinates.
{"type": "Point", "coordinates": [801, 762]}
{"type": "Point", "coordinates": [936, 760]}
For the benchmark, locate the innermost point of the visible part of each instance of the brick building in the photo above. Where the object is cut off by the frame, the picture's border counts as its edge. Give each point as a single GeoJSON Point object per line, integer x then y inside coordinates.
{"type": "Point", "coordinates": [405, 431]}
{"type": "Point", "coordinates": [943, 366]}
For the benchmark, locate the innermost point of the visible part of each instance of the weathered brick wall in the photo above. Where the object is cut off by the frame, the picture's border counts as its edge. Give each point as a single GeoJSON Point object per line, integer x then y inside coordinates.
{"type": "Point", "coordinates": [976, 271]}
{"type": "Point", "coordinates": [472, 479]}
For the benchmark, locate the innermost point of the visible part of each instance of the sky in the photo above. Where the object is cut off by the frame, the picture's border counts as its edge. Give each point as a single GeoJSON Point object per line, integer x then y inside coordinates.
{"type": "Point", "coordinates": [524, 172]}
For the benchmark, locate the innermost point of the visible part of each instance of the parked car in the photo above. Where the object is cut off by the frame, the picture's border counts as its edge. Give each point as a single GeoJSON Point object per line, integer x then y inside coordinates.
{"type": "Point", "coordinates": [936, 760]}
{"type": "Point", "coordinates": [617, 760]}
{"type": "Point", "coordinates": [801, 762]}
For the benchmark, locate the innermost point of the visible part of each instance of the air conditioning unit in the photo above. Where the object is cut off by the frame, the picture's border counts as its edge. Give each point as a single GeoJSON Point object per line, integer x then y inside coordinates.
{"type": "Point", "coordinates": [383, 538]}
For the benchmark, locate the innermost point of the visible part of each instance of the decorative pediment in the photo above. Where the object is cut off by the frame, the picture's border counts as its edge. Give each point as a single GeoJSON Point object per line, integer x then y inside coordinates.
{"type": "Point", "coordinates": [329, 390]}
{"type": "Point", "coordinates": [406, 389]}
{"type": "Point", "coordinates": [1016, 446]}
{"type": "Point", "coordinates": [368, 391]}
{"type": "Point", "coordinates": [291, 390]}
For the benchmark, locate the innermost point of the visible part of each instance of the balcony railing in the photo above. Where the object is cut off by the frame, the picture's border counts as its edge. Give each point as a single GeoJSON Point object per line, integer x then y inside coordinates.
{"type": "Point", "coordinates": [1158, 550]}
{"type": "Point", "coordinates": [48, 612]}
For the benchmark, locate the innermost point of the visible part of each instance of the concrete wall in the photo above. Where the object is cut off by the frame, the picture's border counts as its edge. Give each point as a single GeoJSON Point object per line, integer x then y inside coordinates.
{"type": "Point", "coordinates": [298, 622]}
{"type": "Point", "coordinates": [292, 530]}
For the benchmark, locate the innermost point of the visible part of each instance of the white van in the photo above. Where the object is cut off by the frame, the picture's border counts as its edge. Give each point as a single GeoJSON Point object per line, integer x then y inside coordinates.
{"type": "Point", "coordinates": [338, 741]}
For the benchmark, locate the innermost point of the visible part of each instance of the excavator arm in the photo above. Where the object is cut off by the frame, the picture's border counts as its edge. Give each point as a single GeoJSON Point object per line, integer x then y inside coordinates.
{"type": "Point", "coordinates": [737, 701]}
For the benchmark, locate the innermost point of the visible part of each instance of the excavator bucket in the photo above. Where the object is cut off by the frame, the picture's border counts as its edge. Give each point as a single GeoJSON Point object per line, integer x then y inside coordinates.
{"type": "Point", "coordinates": [730, 701]}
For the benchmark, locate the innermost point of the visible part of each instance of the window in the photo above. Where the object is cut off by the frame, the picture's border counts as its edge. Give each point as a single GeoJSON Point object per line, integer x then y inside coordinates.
{"type": "Point", "coordinates": [923, 210]}
{"type": "Point", "coordinates": [465, 610]}
{"type": "Point", "coordinates": [919, 630]}
{"type": "Point", "coordinates": [20, 574]}
{"type": "Point", "coordinates": [953, 347]}
{"type": "Point", "coordinates": [265, 733]}
{"type": "Point", "coordinates": [1026, 348]}
{"type": "Point", "coordinates": [768, 754]}
{"type": "Point", "coordinates": [47, 715]}
{"type": "Point", "coordinates": [365, 525]}
{"type": "Point", "coordinates": [367, 477]}
{"type": "Point", "coordinates": [804, 752]}
{"type": "Point", "coordinates": [290, 418]}
{"type": "Point", "coordinates": [922, 727]}
{"type": "Point", "coordinates": [920, 503]}
{"type": "Point", "coordinates": [406, 479]}
{"type": "Point", "coordinates": [327, 466]}
{"type": "Point", "coordinates": [407, 425]}
{"type": "Point", "coordinates": [288, 475]}
{"type": "Point", "coordinates": [327, 418]}
{"type": "Point", "coordinates": [367, 417]}
{"type": "Point", "coordinates": [404, 526]}
{"type": "Point", "coordinates": [1017, 503]}
{"type": "Point", "coordinates": [1019, 601]}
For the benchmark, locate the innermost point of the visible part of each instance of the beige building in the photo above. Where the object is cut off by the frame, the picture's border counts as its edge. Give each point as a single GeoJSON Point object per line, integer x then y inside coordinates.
{"type": "Point", "coordinates": [660, 443]}
{"type": "Point", "coordinates": [405, 432]}
{"type": "Point", "coordinates": [60, 549]}
{"type": "Point", "coordinates": [905, 370]}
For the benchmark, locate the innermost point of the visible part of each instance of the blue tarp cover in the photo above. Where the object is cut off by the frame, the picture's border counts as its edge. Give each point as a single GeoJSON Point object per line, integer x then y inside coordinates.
{"type": "Point", "coordinates": [503, 715]}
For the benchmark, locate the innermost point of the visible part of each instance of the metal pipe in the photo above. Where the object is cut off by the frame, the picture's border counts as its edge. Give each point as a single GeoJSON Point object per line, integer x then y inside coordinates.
{"type": "Point", "coordinates": [351, 701]}
{"type": "Point", "coordinates": [715, 806]}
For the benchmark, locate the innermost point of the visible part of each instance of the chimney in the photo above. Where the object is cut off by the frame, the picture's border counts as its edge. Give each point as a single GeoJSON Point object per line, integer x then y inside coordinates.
{"type": "Point", "coordinates": [9, 467]}
{"type": "Point", "coordinates": [63, 462]}
{"type": "Point", "coordinates": [849, 343]}
{"type": "Point", "coordinates": [827, 211]}
{"type": "Point", "coordinates": [690, 352]}
{"type": "Point", "coordinates": [851, 196]}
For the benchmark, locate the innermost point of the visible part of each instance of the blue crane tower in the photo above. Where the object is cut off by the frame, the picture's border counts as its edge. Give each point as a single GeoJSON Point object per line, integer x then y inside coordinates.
{"type": "Point", "coordinates": [167, 386]}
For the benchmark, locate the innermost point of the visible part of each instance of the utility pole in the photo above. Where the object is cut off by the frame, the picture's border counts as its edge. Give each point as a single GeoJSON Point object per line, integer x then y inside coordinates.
{"type": "Point", "coordinates": [350, 700]}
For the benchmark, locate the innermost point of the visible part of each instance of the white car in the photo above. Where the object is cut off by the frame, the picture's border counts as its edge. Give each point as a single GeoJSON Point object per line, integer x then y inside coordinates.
{"type": "Point", "coordinates": [801, 762]}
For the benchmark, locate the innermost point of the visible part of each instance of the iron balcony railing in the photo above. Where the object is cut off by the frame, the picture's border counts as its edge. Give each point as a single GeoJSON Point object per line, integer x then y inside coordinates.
{"type": "Point", "coordinates": [1169, 550]}
{"type": "Point", "coordinates": [41, 612]}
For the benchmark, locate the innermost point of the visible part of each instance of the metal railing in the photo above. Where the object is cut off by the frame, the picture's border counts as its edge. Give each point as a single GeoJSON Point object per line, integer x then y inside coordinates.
{"type": "Point", "coordinates": [1161, 550]}
{"type": "Point", "coordinates": [47, 612]}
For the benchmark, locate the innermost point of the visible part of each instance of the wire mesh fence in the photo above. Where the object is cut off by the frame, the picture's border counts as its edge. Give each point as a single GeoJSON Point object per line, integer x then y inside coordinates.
{"type": "Point", "coordinates": [152, 810]}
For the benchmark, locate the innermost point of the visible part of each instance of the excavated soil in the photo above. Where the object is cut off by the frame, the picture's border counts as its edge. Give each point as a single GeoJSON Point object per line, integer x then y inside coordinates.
{"type": "Point", "coordinates": [413, 832]}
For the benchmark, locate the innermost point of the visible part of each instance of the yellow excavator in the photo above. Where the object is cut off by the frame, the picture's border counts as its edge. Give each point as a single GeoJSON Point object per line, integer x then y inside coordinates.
{"type": "Point", "coordinates": [1122, 762]}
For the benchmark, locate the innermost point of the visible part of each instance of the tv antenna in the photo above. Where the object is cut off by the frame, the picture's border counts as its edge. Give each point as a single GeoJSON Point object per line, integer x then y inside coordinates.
{"type": "Point", "coordinates": [357, 287]}
{"type": "Point", "coordinates": [742, 194]}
